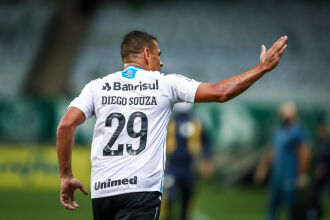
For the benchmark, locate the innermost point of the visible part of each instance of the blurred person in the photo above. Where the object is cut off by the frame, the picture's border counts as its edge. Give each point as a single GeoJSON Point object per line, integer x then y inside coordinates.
{"type": "Point", "coordinates": [186, 138]}
{"type": "Point", "coordinates": [132, 109]}
{"type": "Point", "coordinates": [322, 168]}
{"type": "Point", "coordinates": [289, 159]}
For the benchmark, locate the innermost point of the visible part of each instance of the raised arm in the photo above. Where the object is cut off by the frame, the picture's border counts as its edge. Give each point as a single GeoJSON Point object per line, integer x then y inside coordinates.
{"type": "Point", "coordinates": [230, 88]}
{"type": "Point", "coordinates": [65, 138]}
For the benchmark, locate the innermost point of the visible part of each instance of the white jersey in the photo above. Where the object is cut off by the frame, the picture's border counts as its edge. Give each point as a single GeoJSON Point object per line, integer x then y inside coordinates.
{"type": "Point", "coordinates": [132, 109]}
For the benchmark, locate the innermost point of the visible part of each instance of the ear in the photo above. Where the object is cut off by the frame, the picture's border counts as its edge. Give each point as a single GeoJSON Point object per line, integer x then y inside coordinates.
{"type": "Point", "coordinates": [146, 53]}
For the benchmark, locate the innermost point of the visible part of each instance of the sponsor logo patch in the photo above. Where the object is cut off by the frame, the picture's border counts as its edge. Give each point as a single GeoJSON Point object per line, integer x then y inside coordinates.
{"type": "Point", "coordinates": [115, 183]}
{"type": "Point", "coordinates": [141, 86]}
{"type": "Point", "coordinates": [129, 73]}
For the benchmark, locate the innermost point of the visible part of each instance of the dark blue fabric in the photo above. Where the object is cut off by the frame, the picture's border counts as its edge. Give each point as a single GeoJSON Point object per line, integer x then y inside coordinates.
{"type": "Point", "coordinates": [285, 161]}
{"type": "Point", "coordinates": [180, 161]}
{"type": "Point", "coordinates": [180, 166]}
{"type": "Point", "coordinates": [285, 168]}
{"type": "Point", "coordinates": [324, 152]}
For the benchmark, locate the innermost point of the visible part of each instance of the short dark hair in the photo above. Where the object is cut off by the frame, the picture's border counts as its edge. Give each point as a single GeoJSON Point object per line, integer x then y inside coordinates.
{"type": "Point", "coordinates": [135, 41]}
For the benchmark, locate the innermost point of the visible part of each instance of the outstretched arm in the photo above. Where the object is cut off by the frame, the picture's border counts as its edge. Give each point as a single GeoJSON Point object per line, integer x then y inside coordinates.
{"type": "Point", "coordinates": [230, 88]}
{"type": "Point", "coordinates": [65, 138]}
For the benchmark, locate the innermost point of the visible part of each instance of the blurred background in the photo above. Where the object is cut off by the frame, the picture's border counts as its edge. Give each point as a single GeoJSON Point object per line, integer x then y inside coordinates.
{"type": "Point", "coordinates": [50, 49]}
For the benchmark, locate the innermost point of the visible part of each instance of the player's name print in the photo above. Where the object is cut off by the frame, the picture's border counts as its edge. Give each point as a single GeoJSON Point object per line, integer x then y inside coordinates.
{"type": "Point", "coordinates": [118, 86]}
{"type": "Point", "coordinates": [139, 100]}
{"type": "Point", "coordinates": [115, 183]}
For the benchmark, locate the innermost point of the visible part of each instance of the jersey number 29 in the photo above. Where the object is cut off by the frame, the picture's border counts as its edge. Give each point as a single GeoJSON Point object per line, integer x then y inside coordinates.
{"type": "Point", "coordinates": [142, 134]}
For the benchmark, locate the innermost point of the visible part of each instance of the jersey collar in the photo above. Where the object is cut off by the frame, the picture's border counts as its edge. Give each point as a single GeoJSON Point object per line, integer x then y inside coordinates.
{"type": "Point", "coordinates": [130, 72]}
{"type": "Point", "coordinates": [133, 67]}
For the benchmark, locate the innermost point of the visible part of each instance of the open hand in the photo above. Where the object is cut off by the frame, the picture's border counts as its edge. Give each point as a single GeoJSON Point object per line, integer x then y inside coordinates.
{"type": "Point", "coordinates": [270, 58]}
{"type": "Point", "coordinates": [68, 186]}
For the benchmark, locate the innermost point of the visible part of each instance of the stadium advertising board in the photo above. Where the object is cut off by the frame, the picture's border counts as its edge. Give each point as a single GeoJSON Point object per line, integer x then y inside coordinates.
{"type": "Point", "coordinates": [28, 168]}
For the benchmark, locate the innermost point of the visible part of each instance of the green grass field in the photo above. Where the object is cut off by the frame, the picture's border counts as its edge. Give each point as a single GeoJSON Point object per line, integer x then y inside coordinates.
{"type": "Point", "coordinates": [211, 203]}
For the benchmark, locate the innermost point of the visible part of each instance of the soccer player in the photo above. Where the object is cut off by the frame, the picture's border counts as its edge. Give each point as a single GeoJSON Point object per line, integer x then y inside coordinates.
{"type": "Point", "coordinates": [132, 109]}
{"type": "Point", "coordinates": [186, 138]}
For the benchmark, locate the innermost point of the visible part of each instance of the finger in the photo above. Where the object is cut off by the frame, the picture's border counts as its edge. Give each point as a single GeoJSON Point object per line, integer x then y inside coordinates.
{"type": "Point", "coordinates": [262, 54]}
{"type": "Point", "coordinates": [282, 50]}
{"type": "Point", "coordinates": [263, 50]}
{"type": "Point", "coordinates": [73, 202]}
{"type": "Point", "coordinates": [65, 203]}
{"type": "Point", "coordinates": [282, 41]}
{"type": "Point", "coordinates": [83, 190]}
{"type": "Point", "coordinates": [278, 44]}
{"type": "Point", "coordinates": [285, 38]}
{"type": "Point", "coordinates": [275, 44]}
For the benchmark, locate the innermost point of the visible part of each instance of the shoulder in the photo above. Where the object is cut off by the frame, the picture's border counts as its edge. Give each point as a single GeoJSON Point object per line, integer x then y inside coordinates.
{"type": "Point", "coordinates": [167, 77]}
{"type": "Point", "coordinates": [102, 80]}
{"type": "Point", "coordinates": [176, 76]}
{"type": "Point", "coordinates": [178, 80]}
{"type": "Point", "coordinates": [163, 78]}
{"type": "Point", "coordinates": [154, 74]}
{"type": "Point", "coordinates": [110, 76]}
{"type": "Point", "coordinates": [300, 132]}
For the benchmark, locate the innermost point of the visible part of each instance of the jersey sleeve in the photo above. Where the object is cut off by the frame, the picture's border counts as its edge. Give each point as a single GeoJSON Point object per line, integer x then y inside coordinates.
{"type": "Point", "coordinates": [183, 89]}
{"type": "Point", "coordinates": [85, 101]}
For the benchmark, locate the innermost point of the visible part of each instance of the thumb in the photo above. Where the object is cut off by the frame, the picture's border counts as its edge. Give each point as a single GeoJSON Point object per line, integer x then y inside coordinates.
{"type": "Point", "coordinates": [83, 190]}
{"type": "Point", "coordinates": [263, 54]}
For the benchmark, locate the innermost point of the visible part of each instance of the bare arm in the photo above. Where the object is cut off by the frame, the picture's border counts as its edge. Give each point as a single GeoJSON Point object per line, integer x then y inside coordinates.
{"type": "Point", "coordinates": [229, 88]}
{"type": "Point", "coordinates": [304, 159]}
{"type": "Point", "coordinates": [263, 166]}
{"type": "Point", "coordinates": [65, 139]}
{"type": "Point", "coordinates": [304, 156]}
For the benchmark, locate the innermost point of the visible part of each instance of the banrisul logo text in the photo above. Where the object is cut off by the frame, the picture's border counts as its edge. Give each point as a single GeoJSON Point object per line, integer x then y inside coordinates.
{"type": "Point", "coordinates": [115, 183]}
{"type": "Point", "coordinates": [141, 86]}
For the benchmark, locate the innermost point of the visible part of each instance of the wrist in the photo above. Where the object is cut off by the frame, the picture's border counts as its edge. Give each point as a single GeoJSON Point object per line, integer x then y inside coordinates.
{"type": "Point", "coordinates": [262, 68]}
{"type": "Point", "coordinates": [66, 177]}
{"type": "Point", "coordinates": [66, 172]}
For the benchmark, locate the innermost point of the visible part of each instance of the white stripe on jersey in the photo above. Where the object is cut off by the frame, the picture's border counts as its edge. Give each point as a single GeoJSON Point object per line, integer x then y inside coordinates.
{"type": "Point", "coordinates": [132, 109]}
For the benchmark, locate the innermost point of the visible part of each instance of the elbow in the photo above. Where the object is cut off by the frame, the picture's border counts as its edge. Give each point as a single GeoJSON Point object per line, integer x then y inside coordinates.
{"type": "Point", "coordinates": [223, 94]}
{"type": "Point", "coordinates": [64, 127]}
{"type": "Point", "coordinates": [223, 97]}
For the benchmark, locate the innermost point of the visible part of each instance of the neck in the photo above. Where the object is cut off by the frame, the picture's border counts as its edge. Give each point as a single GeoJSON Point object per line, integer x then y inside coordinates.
{"type": "Point", "coordinates": [136, 64]}
{"type": "Point", "coordinates": [288, 122]}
